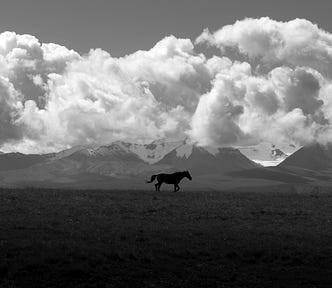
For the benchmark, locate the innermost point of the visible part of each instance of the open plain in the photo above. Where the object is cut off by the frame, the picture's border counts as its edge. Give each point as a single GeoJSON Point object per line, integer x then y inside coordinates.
{"type": "Point", "coordinates": [272, 237]}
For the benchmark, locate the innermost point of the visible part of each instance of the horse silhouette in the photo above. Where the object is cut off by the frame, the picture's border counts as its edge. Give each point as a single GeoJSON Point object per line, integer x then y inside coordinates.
{"type": "Point", "coordinates": [174, 178]}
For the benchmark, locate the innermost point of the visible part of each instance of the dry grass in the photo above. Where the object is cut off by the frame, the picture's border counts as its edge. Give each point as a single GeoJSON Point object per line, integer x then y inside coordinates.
{"type": "Point", "coordinates": [59, 238]}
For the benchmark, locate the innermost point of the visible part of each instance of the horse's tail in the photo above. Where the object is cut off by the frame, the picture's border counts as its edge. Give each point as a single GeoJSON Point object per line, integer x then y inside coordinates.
{"type": "Point", "coordinates": [153, 177]}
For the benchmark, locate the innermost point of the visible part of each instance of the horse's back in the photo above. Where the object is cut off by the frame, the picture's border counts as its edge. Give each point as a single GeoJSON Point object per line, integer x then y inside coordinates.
{"type": "Point", "coordinates": [168, 178]}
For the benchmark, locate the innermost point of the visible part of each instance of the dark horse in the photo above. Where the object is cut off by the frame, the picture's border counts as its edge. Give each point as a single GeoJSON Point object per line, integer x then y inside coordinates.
{"type": "Point", "coordinates": [174, 178]}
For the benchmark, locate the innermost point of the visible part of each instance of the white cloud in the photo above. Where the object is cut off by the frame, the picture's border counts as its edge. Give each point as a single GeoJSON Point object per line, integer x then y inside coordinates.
{"type": "Point", "coordinates": [283, 106]}
{"type": "Point", "coordinates": [272, 43]}
{"type": "Point", "coordinates": [175, 73]}
{"type": "Point", "coordinates": [99, 99]}
{"type": "Point", "coordinates": [272, 83]}
{"type": "Point", "coordinates": [10, 108]}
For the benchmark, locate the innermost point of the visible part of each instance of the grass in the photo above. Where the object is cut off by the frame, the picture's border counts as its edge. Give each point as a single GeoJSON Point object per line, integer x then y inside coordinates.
{"type": "Point", "coordinates": [87, 238]}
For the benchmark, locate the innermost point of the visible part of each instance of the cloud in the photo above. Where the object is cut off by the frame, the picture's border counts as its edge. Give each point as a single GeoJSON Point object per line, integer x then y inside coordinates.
{"type": "Point", "coordinates": [10, 108]}
{"type": "Point", "coordinates": [27, 63]}
{"type": "Point", "coordinates": [242, 108]}
{"type": "Point", "coordinates": [271, 82]}
{"type": "Point", "coordinates": [271, 43]}
{"type": "Point", "coordinates": [175, 73]}
{"type": "Point", "coordinates": [216, 119]}
{"type": "Point", "coordinates": [95, 99]}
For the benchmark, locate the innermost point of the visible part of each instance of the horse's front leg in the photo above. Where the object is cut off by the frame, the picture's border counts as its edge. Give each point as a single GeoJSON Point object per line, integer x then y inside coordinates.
{"type": "Point", "coordinates": [176, 187]}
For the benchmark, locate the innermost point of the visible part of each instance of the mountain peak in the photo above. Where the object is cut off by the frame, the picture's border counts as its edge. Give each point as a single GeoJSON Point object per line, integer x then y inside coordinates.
{"type": "Point", "coordinates": [202, 160]}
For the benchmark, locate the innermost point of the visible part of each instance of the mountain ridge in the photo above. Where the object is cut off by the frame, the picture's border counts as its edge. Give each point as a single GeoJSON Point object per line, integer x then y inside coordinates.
{"type": "Point", "coordinates": [201, 161]}
{"type": "Point", "coordinates": [127, 165]}
{"type": "Point", "coordinates": [123, 161]}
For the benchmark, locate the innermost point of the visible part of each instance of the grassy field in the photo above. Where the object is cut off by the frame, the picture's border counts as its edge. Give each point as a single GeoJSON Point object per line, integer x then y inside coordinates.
{"type": "Point", "coordinates": [66, 238]}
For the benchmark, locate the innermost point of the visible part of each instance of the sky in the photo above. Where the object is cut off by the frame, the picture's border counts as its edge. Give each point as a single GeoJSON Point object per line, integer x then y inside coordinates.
{"type": "Point", "coordinates": [221, 73]}
{"type": "Point", "coordinates": [124, 26]}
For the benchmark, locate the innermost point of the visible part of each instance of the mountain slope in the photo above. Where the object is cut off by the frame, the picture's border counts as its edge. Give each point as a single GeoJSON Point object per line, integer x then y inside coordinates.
{"type": "Point", "coordinates": [125, 165]}
{"type": "Point", "coordinates": [314, 157]}
{"type": "Point", "coordinates": [108, 164]}
{"type": "Point", "coordinates": [201, 160]}
{"type": "Point", "coordinates": [111, 160]}
{"type": "Point", "coordinates": [104, 166]}
{"type": "Point", "coordinates": [13, 161]}
{"type": "Point", "coordinates": [152, 152]}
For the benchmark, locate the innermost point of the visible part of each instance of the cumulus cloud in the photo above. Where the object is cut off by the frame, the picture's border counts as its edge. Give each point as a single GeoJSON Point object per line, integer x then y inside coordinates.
{"type": "Point", "coordinates": [10, 108]}
{"type": "Point", "coordinates": [216, 119]}
{"type": "Point", "coordinates": [271, 82]}
{"type": "Point", "coordinates": [242, 108]}
{"type": "Point", "coordinates": [175, 73]}
{"type": "Point", "coordinates": [66, 99]}
{"type": "Point", "coordinates": [273, 43]}
{"type": "Point", "coordinates": [283, 93]}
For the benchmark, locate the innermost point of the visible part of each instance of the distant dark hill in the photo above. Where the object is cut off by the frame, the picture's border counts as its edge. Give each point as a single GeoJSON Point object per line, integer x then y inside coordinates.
{"type": "Point", "coordinates": [13, 161]}
{"type": "Point", "coordinates": [201, 161]}
{"type": "Point", "coordinates": [314, 157]}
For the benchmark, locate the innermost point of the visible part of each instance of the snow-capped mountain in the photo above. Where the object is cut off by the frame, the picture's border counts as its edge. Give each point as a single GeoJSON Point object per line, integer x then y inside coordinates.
{"type": "Point", "coordinates": [114, 160]}
{"type": "Point", "coordinates": [67, 152]}
{"type": "Point", "coordinates": [149, 153]}
{"type": "Point", "coordinates": [113, 151]}
{"type": "Point", "coordinates": [120, 164]}
{"type": "Point", "coordinates": [152, 152]}
{"type": "Point", "coordinates": [268, 154]}
{"type": "Point", "coordinates": [201, 160]}
{"type": "Point", "coordinates": [118, 159]}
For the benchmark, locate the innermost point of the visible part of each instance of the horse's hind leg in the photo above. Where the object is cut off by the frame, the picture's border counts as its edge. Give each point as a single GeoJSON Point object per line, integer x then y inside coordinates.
{"type": "Point", "coordinates": [156, 185]}
{"type": "Point", "coordinates": [176, 187]}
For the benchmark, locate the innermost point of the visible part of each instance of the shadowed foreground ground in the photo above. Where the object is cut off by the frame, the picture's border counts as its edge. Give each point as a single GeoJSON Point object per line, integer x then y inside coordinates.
{"type": "Point", "coordinates": [52, 238]}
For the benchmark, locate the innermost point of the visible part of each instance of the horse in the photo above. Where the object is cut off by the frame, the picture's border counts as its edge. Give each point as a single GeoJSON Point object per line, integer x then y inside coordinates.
{"type": "Point", "coordinates": [174, 178]}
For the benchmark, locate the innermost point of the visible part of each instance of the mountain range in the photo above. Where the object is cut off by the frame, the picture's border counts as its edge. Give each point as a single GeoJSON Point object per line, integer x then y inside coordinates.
{"type": "Point", "coordinates": [123, 165]}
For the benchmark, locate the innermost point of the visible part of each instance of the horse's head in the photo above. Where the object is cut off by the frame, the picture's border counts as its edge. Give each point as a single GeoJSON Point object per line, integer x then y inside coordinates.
{"type": "Point", "coordinates": [187, 174]}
